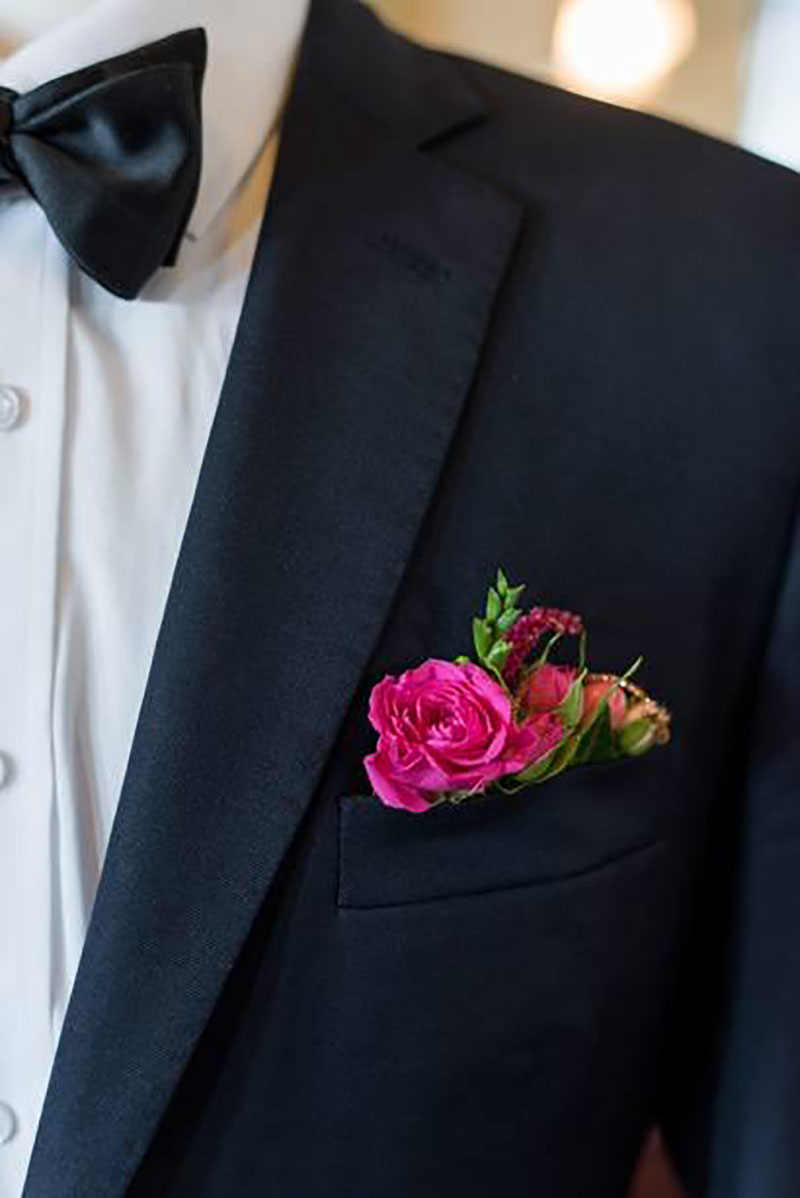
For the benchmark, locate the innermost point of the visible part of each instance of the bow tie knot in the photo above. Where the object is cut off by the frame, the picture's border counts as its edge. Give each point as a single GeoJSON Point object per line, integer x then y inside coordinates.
{"type": "Point", "coordinates": [112, 154]}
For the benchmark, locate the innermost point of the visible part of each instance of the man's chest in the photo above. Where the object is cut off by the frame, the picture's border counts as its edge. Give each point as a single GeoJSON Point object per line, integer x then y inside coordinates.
{"type": "Point", "coordinates": [105, 409]}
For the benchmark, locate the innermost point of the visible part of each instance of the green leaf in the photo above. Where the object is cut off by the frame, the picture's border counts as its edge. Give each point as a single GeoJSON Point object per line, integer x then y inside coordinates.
{"type": "Point", "coordinates": [543, 656]}
{"type": "Point", "coordinates": [502, 582]}
{"type": "Point", "coordinates": [571, 707]}
{"type": "Point", "coordinates": [582, 651]}
{"type": "Point", "coordinates": [598, 742]}
{"type": "Point", "coordinates": [631, 670]}
{"type": "Point", "coordinates": [508, 618]}
{"type": "Point", "coordinates": [539, 768]}
{"type": "Point", "coordinates": [462, 660]}
{"type": "Point", "coordinates": [547, 767]}
{"type": "Point", "coordinates": [514, 593]}
{"type": "Point", "coordinates": [497, 656]}
{"type": "Point", "coordinates": [507, 786]}
{"type": "Point", "coordinates": [493, 605]}
{"type": "Point", "coordinates": [481, 637]}
{"type": "Point", "coordinates": [562, 757]}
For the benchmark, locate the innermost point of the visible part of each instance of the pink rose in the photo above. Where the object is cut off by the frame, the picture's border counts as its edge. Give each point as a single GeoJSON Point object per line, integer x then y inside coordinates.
{"type": "Point", "coordinates": [547, 686]}
{"type": "Point", "coordinates": [447, 727]}
{"type": "Point", "coordinates": [593, 691]}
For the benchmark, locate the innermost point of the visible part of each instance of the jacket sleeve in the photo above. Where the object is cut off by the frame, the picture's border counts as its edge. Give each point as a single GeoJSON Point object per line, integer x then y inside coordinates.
{"type": "Point", "coordinates": [733, 1090]}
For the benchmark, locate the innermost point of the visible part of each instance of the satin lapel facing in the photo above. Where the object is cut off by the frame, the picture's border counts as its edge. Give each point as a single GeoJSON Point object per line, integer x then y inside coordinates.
{"type": "Point", "coordinates": [367, 307]}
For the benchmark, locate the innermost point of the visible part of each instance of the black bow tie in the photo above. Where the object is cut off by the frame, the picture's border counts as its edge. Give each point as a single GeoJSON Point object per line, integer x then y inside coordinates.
{"type": "Point", "coordinates": [113, 154]}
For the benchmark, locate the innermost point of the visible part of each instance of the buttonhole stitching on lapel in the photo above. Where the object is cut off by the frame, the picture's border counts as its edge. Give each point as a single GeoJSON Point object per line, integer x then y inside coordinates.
{"type": "Point", "coordinates": [422, 264]}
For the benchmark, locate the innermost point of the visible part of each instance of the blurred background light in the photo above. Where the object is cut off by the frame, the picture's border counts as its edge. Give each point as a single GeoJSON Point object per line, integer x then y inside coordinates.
{"type": "Point", "coordinates": [621, 48]}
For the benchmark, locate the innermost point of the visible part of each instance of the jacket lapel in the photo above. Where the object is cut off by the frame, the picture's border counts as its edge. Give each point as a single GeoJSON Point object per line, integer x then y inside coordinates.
{"type": "Point", "coordinates": [372, 286]}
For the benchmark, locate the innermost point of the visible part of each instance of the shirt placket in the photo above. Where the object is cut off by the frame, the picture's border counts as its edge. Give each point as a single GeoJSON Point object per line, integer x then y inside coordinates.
{"type": "Point", "coordinates": [33, 340]}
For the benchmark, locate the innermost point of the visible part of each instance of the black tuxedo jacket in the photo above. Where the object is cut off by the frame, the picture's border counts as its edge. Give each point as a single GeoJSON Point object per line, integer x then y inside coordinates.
{"type": "Point", "coordinates": [488, 323]}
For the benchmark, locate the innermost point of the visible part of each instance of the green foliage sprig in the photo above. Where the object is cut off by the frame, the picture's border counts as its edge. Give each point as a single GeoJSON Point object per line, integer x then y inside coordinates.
{"type": "Point", "coordinates": [490, 630]}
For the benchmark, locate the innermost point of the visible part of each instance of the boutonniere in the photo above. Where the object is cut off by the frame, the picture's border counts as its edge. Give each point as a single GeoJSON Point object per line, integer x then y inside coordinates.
{"type": "Point", "coordinates": [450, 730]}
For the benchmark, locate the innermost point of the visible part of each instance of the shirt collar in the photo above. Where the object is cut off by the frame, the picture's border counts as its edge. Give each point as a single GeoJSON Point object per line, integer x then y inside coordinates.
{"type": "Point", "coordinates": [252, 51]}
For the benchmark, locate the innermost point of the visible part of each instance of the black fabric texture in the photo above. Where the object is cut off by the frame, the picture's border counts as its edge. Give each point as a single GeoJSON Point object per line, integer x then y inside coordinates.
{"type": "Point", "coordinates": [488, 322]}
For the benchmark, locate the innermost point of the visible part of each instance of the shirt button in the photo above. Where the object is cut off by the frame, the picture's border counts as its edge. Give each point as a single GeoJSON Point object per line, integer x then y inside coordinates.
{"type": "Point", "coordinates": [10, 408]}
{"type": "Point", "coordinates": [8, 1123]}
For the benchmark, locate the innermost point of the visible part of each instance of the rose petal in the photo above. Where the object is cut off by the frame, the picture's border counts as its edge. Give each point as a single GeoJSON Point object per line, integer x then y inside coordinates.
{"type": "Point", "coordinates": [389, 790]}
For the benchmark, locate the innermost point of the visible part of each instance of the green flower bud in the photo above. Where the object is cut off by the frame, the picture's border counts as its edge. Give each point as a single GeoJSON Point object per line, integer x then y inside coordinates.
{"type": "Point", "coordinates": [637, 737]}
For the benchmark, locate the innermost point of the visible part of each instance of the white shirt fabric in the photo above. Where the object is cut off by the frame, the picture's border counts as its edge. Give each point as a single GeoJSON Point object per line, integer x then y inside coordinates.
{"type": "Point", "coordinates": [772, 88]}
{"type": "Point", "coordinates": [97, 475]}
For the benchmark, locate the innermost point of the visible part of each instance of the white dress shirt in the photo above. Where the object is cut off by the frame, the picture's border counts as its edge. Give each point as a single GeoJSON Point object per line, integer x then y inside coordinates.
{"type": "Point", "coordinates": [105, 410]}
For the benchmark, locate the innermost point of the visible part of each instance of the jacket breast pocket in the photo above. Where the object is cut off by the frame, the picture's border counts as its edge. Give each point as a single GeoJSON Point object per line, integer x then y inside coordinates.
{"type": "Point", "coordinates": [587, 819]}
